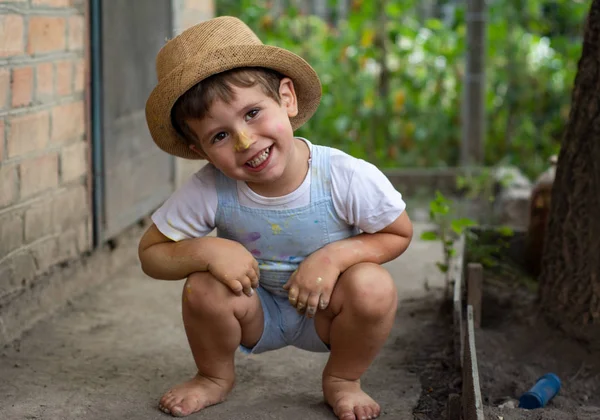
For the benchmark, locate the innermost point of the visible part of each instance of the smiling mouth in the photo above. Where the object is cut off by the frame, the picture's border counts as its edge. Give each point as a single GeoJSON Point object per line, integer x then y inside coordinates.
{"type": "Point", "coordinates": [258, 160]}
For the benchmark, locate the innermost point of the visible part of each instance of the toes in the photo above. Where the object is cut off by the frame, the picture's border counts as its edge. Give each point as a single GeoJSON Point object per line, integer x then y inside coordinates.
{"type": "Point", "coordinates": [185, 407]}
{"type": "Point", "coordinates": [346, 413]}
{"type": "Point", "coordinates": [361, 413]}
{"type": "Point", "coordinates": [177, 411]}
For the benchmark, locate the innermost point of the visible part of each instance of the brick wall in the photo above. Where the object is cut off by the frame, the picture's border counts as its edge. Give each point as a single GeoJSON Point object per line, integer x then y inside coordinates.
{"type": "Point", "coordinates": [45, 214]}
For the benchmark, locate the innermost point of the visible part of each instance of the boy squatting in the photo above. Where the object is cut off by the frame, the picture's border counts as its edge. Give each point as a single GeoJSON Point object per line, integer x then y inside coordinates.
{"type": "Point", "coordinates": [302, 229]}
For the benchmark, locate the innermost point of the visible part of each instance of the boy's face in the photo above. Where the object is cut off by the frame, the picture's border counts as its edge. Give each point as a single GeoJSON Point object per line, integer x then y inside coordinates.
{"type": "Point", "coordinates": [251, 139]}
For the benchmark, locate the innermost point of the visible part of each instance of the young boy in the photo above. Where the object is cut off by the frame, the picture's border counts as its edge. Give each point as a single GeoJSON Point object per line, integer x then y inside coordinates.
{"type": "Point", "coordinates": [301, 229]}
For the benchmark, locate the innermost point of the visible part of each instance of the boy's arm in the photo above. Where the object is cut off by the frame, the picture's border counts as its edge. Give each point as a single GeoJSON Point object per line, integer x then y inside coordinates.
{"type": "Point", "coordinates": [165, 259]}
{"type": "Point", "coordinates": [379, 247]}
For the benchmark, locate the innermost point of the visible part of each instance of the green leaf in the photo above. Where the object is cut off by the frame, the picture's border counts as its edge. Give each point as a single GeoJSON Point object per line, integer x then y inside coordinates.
{"type": "Point", "coordinates": [443, 267]}
{"type": "Point", "coordinates": [459, 225]}
{"type": "Point", "coordinates": [429, 236]}
{"type": "Point", "coordinates": [505, 231]}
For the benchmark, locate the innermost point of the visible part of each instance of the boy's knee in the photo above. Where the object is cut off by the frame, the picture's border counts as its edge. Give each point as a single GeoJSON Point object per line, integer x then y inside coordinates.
{"type": "Point", "coordinates": [204, 293]}
{"type": "Point", "coordinates": [370, 290]}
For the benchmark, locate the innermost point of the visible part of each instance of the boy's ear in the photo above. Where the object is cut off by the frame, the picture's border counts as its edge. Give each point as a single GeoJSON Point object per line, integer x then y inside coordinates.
{"type": "Point", "coordinates": [287, 93]}
{"type": "Point", "coordinates": [196, 149]}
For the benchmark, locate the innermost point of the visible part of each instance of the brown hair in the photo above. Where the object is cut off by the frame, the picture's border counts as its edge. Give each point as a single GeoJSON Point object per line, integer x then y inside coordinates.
{"type": "Point", "coordinates": [196, 102]}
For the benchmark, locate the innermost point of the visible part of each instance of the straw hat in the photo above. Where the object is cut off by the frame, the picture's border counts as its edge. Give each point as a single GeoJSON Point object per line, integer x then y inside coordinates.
{"type": "Point", "coordinates": [212, 47]}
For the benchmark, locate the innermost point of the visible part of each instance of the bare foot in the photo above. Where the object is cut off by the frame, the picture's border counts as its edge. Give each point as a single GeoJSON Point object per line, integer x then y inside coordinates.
{"type": "Point", "coordinates": [348, 401]}
{"type": "Point", "coordinates": [194, 395]}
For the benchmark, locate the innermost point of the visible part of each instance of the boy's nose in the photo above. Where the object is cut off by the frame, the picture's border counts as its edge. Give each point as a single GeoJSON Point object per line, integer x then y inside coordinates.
{"type": "Point", "coordinates": [243, 142]}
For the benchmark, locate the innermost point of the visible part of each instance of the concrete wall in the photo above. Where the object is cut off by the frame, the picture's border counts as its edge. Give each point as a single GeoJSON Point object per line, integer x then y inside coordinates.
{"type": "Point", "coordinates": [187, 13]}
{"type": "Point", "coordinates": [46, 255]}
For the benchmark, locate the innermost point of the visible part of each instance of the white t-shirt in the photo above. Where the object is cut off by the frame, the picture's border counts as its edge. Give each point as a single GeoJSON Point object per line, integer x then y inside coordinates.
{"type": "Point", "coordinates": [362, 197]}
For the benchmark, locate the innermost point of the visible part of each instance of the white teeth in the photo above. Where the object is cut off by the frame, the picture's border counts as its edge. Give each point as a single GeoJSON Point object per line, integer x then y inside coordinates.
{"type": "Point", "coordinates": [260, 159]}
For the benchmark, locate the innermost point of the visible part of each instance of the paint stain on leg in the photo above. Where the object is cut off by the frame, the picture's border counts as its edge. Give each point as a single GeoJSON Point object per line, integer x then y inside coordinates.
{"type": "Point", "coordinates": [251, 237]}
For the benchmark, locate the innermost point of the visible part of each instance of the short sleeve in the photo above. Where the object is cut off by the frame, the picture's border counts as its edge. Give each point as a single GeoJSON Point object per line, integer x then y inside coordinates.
{"type": "Point", "coordinates": [363, 196]}
{"type": "Point", "coordinates": [190, 211]}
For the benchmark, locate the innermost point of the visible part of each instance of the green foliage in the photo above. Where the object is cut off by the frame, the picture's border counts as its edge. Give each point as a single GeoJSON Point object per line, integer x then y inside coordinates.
{"type": "Point", "coordinates": [448, 229]}
{"type": "Point", "coordinates": [487, 246]}
{"type": "Point", "coordinates": [392, 83]}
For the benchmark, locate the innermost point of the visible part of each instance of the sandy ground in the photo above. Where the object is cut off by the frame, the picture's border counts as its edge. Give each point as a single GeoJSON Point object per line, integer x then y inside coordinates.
{"type": "Point", "coordinates": [113, 352]}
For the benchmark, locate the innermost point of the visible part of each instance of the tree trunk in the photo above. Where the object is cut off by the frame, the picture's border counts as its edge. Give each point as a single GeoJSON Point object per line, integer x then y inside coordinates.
{"type": "Point", "coordinates": [570, 277]}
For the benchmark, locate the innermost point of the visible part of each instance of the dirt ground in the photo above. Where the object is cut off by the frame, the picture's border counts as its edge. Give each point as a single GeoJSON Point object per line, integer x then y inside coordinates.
{"type": "Point", "coordinates": [114, 351]}
{"type": "Point", "coordinates": [515, 346]}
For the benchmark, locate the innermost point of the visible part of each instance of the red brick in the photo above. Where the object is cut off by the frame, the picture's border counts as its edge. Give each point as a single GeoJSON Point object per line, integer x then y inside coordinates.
{"type": "Point", "coordinates": [8, 183]}
{"type": "Point", "coordinates": [76, 32]}
{"type": "Point", "coordinates": [80, 75]}
{"type": "Point", "coordinates": [2, 127]}
{"type": "Point", "coordinates": [39, 220]}
{"type": "Point", "coordinates": [45, 81]}
{"type": "Point", "coordinates": [16, 271]}
{"type": "Point", "coordinates": [11, 232]}
{"type": "Point", "coordinates": [22, 86]}
{"type": "Point", "coordinates": [73, 161]}
{"type": "Point", "coordinates": [67, 122]}
{"type": "Point", "coordinates": [84, 242]}
{"type": "Point", "coordinates": [67, 245]}
{"type": "Point", "coordinates": [11, 35]}
{"type": "Point", "coordinates": [52, 3]}
{"type": "Point", "coordinates": [39, 174]}
{"type": "Point", "coordinates": [45, 253]}
{"type": "Point", "coordinates": [46, 34]}
{"type": "Point", "coordinates": [64, 77]}
{"type": "Point", "coordinates": [4, 87]}
{"type": "Point", "coordinates": [70, 207]}
{"type": "Point", "coordinates": [28, 133]}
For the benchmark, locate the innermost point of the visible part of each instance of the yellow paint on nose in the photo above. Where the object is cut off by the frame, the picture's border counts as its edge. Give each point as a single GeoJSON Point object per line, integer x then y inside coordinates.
{"type": "Point", "coordinates": [243, 142]}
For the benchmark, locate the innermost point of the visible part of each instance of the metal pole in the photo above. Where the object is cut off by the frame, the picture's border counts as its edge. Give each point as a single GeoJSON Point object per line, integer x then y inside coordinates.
{"type": "Point", "coordinates": [473, 109]}
{"type": "Point", "coordinates": [342, 9]}
{"type": "Point", "coordinates": [320, 8]}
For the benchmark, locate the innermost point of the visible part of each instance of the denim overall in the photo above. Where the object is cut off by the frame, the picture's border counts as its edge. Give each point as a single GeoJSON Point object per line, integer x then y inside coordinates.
{"type": "Point", "coordinates": [280, 240]}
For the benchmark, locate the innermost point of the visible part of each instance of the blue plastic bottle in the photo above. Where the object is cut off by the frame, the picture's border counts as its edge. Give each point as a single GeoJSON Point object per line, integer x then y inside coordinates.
{"type": "Point", "coordinates": [543, 391]}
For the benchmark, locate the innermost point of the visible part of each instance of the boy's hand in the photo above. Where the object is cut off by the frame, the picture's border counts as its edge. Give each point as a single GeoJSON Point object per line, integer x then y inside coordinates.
{"type": "Point", "coordinates": [235, 267]}
{"type": "Point", "coordinates": [311, 285]}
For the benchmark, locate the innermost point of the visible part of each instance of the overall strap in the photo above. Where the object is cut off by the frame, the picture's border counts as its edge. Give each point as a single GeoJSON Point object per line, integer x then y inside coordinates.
{"type": "Point", "coordinates": [320, 187]}
{"type": "Point", "coordinates": [226, 189]}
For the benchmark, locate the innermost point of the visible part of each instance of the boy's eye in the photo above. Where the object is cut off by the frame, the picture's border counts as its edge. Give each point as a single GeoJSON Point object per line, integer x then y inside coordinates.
{"type": "Point", "coordinates": [219, 136]}
{"type": "Point", "coordinates": [251, 114]}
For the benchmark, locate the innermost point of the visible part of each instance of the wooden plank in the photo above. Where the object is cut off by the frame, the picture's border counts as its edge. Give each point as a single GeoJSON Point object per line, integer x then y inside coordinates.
{"type": "Point", "coordinates": [474, 290]}
{"type": "Point", "coordinates": [472, 403]}
{"type": "Point", "coordinates": [457, 276]}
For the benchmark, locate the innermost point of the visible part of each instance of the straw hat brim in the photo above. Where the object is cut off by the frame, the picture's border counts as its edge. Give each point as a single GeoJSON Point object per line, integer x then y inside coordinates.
{"type": "Point", "coordinates": [187, 74]}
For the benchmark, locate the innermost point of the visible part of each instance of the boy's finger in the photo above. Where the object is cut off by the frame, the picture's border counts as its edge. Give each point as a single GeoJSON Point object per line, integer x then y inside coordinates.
{"type": "Point", "coordinates": [235, 286]}
{"type": "Point", "coordinates": [293, 295]}
{"type": "Point", "coordinates": [253, 278]}
{"type": "Point", "coordinates": [302, 301]}
{"type": "Point", "coordinates": [247, 286]}
{"type": "Point", "coordinates": [324, 300]}
{"type": "Point", "coordinates": [288, 283]}
{"type": "Point", "coordinates": [256, 268]}
{"type": "Point", "coordinates": [311, 304]}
